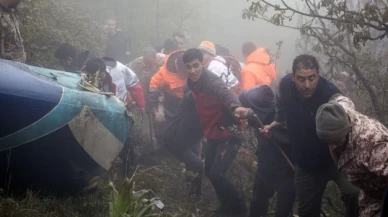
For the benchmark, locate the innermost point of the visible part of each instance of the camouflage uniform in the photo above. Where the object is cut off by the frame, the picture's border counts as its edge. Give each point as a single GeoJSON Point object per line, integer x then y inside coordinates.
{"type": "Point", "coordinates": [141, 69]}
{"type": "Point", "coordinates": [364, 160]}
{"type": "Point", "coordinates": [11, 44]}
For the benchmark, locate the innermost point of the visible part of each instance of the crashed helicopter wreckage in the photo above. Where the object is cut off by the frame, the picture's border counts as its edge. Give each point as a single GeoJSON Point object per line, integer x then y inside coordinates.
{"type": "Point", "coordinates": [55, 135]}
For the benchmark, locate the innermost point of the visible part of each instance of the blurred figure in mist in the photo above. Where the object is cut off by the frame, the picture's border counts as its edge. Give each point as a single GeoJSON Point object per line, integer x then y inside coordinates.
{"type": "Point", "coordinates": [180, 39]}
{"type": "Point", "coordinates": [117, 45]}
{"type": "Point", "coordinates": [176, 38]}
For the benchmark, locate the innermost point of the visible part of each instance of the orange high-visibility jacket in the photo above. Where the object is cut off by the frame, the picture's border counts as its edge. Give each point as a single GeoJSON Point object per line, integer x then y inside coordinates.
{"type": "Point", "coordinates": [169, 80]}
{"type": "Point", "coordinates": [259, 70]}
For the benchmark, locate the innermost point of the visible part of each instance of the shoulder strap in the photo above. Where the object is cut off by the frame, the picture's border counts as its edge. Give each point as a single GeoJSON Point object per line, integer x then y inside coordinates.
{"type": "Point", "coordinates": [227, 66]}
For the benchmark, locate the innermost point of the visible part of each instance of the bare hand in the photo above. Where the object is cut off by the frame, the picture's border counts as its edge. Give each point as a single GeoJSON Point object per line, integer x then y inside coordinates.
{"type": "Point", "coordinates": [159, 114]}
{"type": "Point", "coordinates": [266, 130]}
{"type": "Point", "coordinates": [241, 112]}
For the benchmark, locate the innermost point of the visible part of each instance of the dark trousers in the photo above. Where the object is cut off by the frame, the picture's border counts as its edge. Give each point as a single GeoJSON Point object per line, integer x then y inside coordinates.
{"type": "Point", "coordinates": [311, 186]}
{"type": "Point", "coordinates": [219, 157]}
{"type": "Point", "coordinates": [191, 157]}
{"type": "Point", "coordinates": [261, 194]}
{"type": "Point", "coordinates": [384, 206]}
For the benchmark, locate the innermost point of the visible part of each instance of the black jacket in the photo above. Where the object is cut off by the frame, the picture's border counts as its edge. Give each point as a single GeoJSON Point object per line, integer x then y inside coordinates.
{"type": "Point", "coordinates": [184, 130]}
{"type": "Point", "coordinates": [273, 168]}
{"type": "Point", "coordinates": [311, 154]}
{"type": "Point", "coordinates": [117, 46]}
{"type": "Point", "coordinates": [79, 61]}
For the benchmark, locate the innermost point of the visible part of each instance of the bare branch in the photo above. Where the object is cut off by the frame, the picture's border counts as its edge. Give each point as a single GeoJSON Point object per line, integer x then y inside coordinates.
{"type": "Point", "coordinates": [287, 7]}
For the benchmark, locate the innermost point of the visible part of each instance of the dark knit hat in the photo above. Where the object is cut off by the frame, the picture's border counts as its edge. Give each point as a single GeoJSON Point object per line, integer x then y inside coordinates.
{"type": "Point", "coordinates": [332, 122]}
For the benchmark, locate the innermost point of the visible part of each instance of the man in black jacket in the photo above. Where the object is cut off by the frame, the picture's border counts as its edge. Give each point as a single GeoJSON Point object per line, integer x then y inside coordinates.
{"type": "Point", "coordinates": [215, 106]}
{"type": "Point", "coordinates": [300, 95]}
{"type": "Point", "coordinates": [182, 138]}
{"type": "Point", "coordinates": [117, 46]}
{"type": "Point", "coordinates": [273, 171]}
{"type": "Point", "coordinates": [70, 60]}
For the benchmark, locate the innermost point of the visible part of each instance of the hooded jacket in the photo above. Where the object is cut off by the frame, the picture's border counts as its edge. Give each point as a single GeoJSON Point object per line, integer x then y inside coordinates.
{"type": "Point", "coordinates": [259, 70]}
{"type": "Point", "coordinates": [126, 81]}
{"type": "Point", "coordinates": [169, 81]}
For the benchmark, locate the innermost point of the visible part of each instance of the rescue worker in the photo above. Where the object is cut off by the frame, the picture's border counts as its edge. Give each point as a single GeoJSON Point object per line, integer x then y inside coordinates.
{"type": "Point", "coordinates": [69, 59]}
{"type": "Point", "coordinates": [215, 105]}
{"type": "Point", "coordinates": [231, 62]}
{"type": "Point", "coordinates": [300, 95]}
{"type": "Point", "coordinates": [359, 147]}
{"type": "Point", "coordinates": [168, 84]}
{"type": "Point", "coordinates": [149, 63]}
{"type": "Point", "coordinates": [117, 46]}
{"type": "Point", "coordinates": [273, 171]}
{"type": "Point", "coordinates": [182, 138]}
{"type": "Point", "coordinates": [94, 72]}
{"type": "Point", "coordinates": [217, 65]}
{"type": "Point", "coordinates": [259, 68]}
{"type": "Point", "coordinates": [11, 41]}
{"type": "Point", "coordinates": [126, 81]}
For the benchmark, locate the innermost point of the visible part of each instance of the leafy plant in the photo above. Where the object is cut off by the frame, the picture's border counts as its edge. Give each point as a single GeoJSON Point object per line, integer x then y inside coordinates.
{"type": "Point", "coordinates": [125, 203]}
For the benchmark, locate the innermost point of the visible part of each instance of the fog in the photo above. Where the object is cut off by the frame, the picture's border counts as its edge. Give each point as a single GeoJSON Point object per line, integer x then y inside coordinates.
{"type": "Point", "coordinates": [219, 21]}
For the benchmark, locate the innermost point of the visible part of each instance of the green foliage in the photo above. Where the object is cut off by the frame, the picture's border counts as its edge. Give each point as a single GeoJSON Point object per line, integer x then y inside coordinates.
{"type": "Point", "coordinates": [124, 203]}
{"type": "Point", "coordinates": [47, 23]}
{"type": "Point", "coordinates": [360, 21]}
{"type": "Point", "coordinates": [344, 35]}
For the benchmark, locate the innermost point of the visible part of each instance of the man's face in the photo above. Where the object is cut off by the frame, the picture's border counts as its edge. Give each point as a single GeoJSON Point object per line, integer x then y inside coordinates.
{"type": "Point", "coordinates": [180, 42]}
{"type": "Point", "coordinates": [149, 60]}
{"type": "Point", "coordinates": [111, 26]}
{"type": "Point", "coordinates": [306, 81]}
{"type": "Point", "coordinates": [14, 3]}
{"type": "Point", "coordinates": [194, 70]}
{"type": "Point", "coordinates": [337, 148]}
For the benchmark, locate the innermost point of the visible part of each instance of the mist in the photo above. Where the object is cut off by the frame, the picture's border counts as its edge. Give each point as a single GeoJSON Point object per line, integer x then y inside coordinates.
{"type": "Point", "coordinates": [219, 21]}
{"type": "Point", "coordinates": [222, 23]}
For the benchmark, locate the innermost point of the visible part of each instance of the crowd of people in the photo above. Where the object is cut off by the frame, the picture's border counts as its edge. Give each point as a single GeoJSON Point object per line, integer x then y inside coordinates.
{"type": "Point", "coordinates": [308, 132]}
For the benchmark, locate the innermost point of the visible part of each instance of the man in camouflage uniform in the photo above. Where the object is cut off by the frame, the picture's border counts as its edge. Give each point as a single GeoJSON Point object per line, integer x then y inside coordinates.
{"type": "Point", "coordinates": [359, 146]}
{"type": "Point", "coordinates": [148, 64]}
{"type": "Point", "coordinates": [11, 42]}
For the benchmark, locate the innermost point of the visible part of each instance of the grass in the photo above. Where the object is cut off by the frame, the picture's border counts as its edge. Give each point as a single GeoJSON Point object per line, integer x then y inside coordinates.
{"type": "Point", "coordinates": [167, 179]}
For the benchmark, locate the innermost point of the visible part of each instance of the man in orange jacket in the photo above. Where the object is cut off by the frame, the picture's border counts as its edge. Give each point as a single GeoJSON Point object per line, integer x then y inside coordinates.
{"type": "Point", "coordinates": [165, 91]}
{"type": "Point", "coordinates": [259, 68]}
{"type": "Point", "coordinates": [169, 82]}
